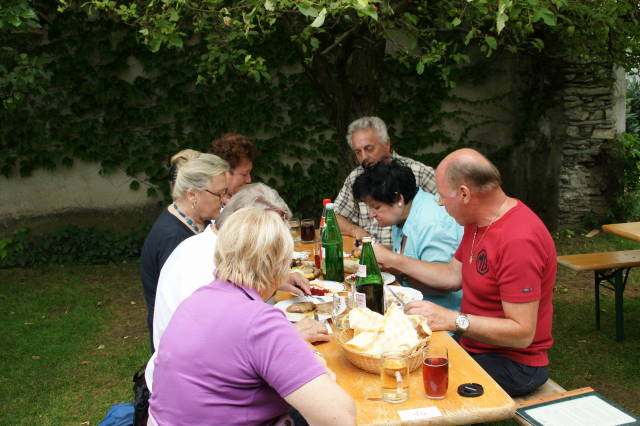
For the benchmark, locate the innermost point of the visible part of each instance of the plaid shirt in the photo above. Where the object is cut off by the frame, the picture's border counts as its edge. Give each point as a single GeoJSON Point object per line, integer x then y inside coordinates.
{"type": "Point", "coordinates": [346, 206]}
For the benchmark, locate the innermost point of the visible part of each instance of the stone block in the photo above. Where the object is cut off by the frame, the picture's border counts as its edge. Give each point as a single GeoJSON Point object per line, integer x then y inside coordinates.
{"type": "Point", "coordinates": [573, 131]}
{"type": "Point", "coordinates": [577, 114]}
{"type": "Point", "coordinates": [588, 91]}
{"type": "Point", "coordinates": [604, 134]}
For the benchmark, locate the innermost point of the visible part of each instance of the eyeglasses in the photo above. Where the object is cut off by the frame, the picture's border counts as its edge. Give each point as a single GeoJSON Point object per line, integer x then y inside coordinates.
{"type": "Point", "coordinates": [222, 194]}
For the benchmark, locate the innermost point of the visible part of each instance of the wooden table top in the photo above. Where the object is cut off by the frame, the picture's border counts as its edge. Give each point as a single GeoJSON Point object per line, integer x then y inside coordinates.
{"type": "Point", "coordinates": [364, 387]}
{"type": "Point", "coordinates": [599, 261]}
{"type": "Point", "coordinates": [629, 230]}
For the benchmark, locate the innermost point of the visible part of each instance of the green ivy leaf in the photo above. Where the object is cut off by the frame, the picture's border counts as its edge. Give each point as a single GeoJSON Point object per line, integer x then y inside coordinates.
{"type": "Point", "coordinates": [134, 185]}
{"type": "Point", "coordinates": [491, 42]}
{"type": "Point", "coordinates": [546, 15]}
{"type": "Point", "coordinates": [320, 18]}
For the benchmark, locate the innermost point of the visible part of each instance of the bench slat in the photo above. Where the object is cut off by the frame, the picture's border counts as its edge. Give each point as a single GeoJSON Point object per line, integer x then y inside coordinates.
{"type": "Point", "coordinates": [598, 261]}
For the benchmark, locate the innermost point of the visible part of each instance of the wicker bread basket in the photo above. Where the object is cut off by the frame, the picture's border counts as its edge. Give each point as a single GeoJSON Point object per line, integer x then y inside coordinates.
{"type": "Point", "coordinates": [371, 363]}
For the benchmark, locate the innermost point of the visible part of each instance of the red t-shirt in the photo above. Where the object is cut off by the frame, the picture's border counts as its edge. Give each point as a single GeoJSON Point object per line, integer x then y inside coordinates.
{"type": "Point", "coordinates": [513, 261]}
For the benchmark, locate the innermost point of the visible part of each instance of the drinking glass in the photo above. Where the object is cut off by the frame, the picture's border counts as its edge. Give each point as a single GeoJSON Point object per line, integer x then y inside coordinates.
{"type": "Point", "coordinates": [308, 230]}
{"type": "Point", "coordinates": [394, 375]}
{"type": "Point", "coordinates": [294, 227]}
{"type": "Point", "coordinates": [435, 371]}
{"type": "Point", "coordinates": [342, 305]}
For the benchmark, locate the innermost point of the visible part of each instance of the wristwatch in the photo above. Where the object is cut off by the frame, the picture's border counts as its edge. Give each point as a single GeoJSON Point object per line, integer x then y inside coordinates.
{"type": "Point", "coordinates": [462, 323]}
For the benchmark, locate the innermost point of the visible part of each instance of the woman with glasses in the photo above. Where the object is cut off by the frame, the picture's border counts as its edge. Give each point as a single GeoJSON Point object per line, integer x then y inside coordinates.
{"type": "Point", "coordinates": [191, 266]}
{"type": "Point", "coordinates": [197, 191]}
{"type": "Point", "coordinates": [420, 228]}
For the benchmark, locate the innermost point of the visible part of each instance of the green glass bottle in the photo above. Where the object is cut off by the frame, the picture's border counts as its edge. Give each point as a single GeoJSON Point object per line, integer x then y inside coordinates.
{"type": "Point", "coordinates": [332, 253]}
{"type": "Point", "coordinates": [369, 284]}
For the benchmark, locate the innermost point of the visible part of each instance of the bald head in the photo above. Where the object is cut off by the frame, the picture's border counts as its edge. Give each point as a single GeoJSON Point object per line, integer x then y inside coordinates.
{"type": "Point", "coordinates": [467, 166]}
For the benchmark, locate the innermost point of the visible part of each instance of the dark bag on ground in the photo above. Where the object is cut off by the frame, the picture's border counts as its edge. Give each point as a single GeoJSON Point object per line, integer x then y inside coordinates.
{"type": "Point", "coordinates": [141, 397]}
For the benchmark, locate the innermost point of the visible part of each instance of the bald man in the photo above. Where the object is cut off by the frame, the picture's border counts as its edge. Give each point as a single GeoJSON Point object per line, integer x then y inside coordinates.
{"type": "Point", "coordinates": [506, 267]}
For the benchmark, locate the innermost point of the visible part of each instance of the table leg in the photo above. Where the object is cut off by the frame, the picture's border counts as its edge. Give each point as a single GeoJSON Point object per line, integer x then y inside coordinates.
{"type": "Point", "coordinates": [597, 280]}
{"type": "Point", "coordinates": [619, 284]}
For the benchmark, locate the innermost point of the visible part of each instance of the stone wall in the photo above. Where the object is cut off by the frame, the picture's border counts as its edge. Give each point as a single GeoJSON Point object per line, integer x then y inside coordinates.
{"type": "Point", "coordinates": [593, 116]}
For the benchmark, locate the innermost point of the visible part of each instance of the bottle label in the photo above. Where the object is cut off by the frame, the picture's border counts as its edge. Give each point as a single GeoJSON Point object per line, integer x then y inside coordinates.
{"type": "Point", "coordinates": [362, 271]}
{"type": "Point", "coordinates": [323, 252]}
{"type": "Point", "coordinates": [361, 300]}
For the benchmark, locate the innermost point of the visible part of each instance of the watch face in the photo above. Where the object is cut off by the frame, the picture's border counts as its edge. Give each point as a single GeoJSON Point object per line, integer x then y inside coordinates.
{"type": "Point", "coordinates": [462, 322]}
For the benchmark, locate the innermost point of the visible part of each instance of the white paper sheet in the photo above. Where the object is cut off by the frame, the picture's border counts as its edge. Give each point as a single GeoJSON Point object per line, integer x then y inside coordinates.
{"type": "Point", "coordinates": [419, 413]}
{"type": "Point", "coordinates": [586, 411]}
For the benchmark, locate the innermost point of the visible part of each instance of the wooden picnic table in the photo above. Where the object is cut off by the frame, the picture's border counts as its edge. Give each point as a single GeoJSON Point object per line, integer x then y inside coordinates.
{"type": "Point", "coordinates": [364, 387]}
{"type": "Point", "coordinates": [629, 230]}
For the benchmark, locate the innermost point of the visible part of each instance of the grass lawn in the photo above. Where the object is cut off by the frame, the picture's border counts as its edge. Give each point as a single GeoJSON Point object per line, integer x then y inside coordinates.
{"type": "Point", "coordinates": [74, 335]}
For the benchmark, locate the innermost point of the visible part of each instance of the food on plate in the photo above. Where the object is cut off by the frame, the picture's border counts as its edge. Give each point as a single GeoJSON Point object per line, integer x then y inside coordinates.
{"type": "Point", "coordinates": [356, 252]}
{"type": "Point", "coordinates": [310, 272]}
{"type": "Point", "coordinates": [324, 308]}
{"type": "Point", "coordinates": [318, 291]}
{"type": "Point", "coordinates": [301, 307]}
{"type": "Point", "coordinates": [350, 266]}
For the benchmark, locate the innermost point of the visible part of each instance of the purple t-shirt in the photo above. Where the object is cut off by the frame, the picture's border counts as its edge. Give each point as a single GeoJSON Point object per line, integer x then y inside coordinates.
{"type": "Point", "coordinates": [227, 357]}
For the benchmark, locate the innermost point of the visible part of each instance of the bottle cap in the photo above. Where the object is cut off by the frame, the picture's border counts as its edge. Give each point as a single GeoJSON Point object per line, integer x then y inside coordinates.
{"type": "Point", "coordinates": [329, 205]}
{"type": "Point", "coordinates": [366, 240]}
{"type": "Point", "coordinates": [326, 201]}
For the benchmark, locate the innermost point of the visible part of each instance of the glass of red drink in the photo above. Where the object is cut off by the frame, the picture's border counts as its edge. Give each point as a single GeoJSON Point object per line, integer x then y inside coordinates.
{"type": "Point", "coordinates": [307, 231]}
{"type": "Point", "coordinates": [435, 371]}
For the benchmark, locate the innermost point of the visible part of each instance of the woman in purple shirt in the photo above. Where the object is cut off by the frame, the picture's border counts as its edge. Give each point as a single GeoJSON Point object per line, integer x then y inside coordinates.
{"type": "Point", "coordinates": [227, 357]}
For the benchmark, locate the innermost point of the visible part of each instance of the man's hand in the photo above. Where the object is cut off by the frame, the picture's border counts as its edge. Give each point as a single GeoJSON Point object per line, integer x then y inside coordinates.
{"type": "Point", "coordinates": [438, 318]}
{"type": "Point", "coordinates": [312, 330]}
{"type": "Point", "coordinates": [296, 284]}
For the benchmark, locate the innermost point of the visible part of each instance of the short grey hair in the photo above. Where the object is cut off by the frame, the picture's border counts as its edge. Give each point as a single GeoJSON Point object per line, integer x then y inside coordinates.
{"type": "Point", "coordinates": [254, 195]}
{"type": "Point", "coordinates": [364, 123]}
{"type": "Point", "coordinates": [196, 174]}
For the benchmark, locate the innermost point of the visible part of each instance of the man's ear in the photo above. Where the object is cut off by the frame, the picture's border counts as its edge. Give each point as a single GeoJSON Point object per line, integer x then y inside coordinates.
{"type": "Point", "coordinates": [465, 193]}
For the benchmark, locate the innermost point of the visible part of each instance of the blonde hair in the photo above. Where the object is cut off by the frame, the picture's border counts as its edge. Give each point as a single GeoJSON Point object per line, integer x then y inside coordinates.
{"type": "Point", "coordinates": [254, 249]}
{"type": "Point", "coordinates": [184, 156]}
{"type": "Point", "coordinates": [256, 195]}
{"type": "Point", "coordinates": [196, 173]}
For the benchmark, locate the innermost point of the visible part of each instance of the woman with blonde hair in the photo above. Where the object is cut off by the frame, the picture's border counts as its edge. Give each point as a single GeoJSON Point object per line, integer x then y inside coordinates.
{"type": "Point", "coordinates": [227, 357]}
{"type": "Point", "coordinates": [197, 193]}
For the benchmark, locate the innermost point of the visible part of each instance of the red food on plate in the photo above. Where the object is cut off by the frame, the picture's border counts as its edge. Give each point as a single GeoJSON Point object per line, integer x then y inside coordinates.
{"type": "Point", "coordinates": [317, 291]}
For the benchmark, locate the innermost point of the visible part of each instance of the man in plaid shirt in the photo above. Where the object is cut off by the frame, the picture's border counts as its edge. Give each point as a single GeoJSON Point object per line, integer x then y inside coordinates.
{"type": "Point", "coordinates": [370, 143]}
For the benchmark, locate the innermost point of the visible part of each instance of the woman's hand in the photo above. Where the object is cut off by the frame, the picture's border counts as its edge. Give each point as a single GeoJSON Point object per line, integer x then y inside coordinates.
{"type": "Point", "coordinates": [384, 256]}
{"type": "Point", "coordinates": [312, 330]}
{"type": "Point", "coordinates": [296, 284]}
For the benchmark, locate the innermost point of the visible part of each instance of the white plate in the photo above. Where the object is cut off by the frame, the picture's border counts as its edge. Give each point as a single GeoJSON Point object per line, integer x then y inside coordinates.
{"type": "Point", "coordinates": [332, 286]}
{"type": "Point", "coordinates": [295, 317]}
{"type": "Point", "coordinates": [407, 294]}
{"type": "Point", "coordinates": [386, 277]}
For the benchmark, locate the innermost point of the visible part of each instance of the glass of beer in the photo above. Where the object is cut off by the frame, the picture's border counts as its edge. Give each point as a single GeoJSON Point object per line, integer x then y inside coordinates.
{"type": "Point", "coordinates": [308, 230]}
{"type": "Point", "coordinates": [435, 371]}
{"type": "Point", "coordinates": [294, 227]}
{"type": "Point", "coordinates": [394, 375]}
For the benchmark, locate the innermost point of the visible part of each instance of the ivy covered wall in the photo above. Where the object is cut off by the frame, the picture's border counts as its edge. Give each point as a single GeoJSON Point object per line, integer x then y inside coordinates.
{"type": "Point", "coordinates": [110, 101]}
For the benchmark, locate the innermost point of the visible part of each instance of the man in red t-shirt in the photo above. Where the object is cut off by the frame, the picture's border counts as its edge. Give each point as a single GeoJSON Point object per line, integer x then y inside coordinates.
{"type": "Point", "coordinates": [506, 267]}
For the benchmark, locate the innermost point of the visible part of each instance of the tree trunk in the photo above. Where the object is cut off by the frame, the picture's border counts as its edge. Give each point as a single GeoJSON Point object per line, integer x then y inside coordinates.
{"type": "Point", "coordinates": [348, 76]}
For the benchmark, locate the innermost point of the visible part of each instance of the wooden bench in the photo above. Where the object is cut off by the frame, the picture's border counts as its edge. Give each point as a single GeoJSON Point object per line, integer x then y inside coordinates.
{"type": "Point", "coordinates": [609, 267]}
{"type": "Point", "coordinates": [549, 389]}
